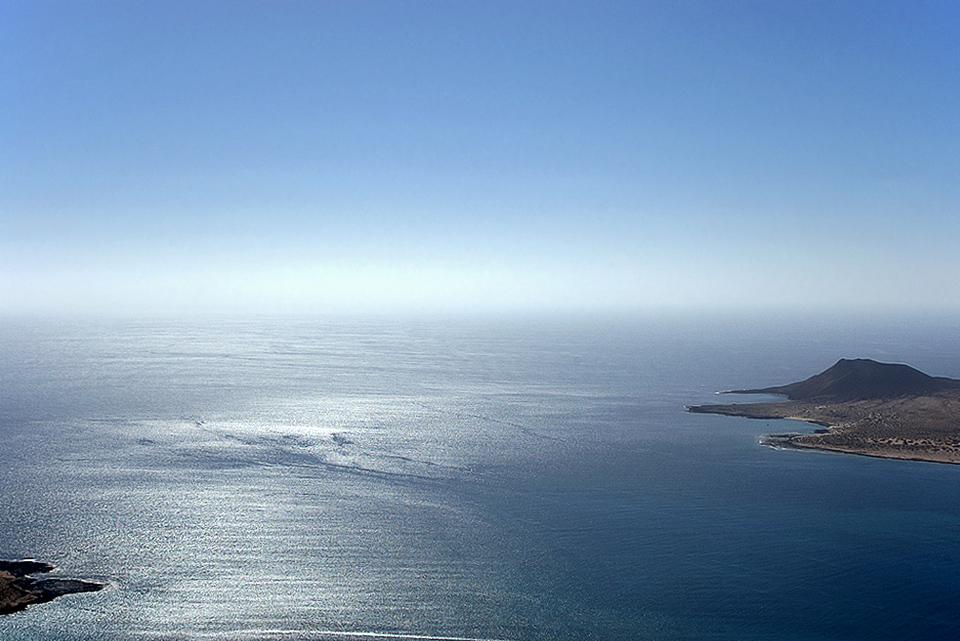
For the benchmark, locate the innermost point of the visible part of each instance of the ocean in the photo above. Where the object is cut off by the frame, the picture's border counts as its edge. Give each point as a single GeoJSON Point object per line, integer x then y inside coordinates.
{"type": "Point", "coordinates": [497, 477]}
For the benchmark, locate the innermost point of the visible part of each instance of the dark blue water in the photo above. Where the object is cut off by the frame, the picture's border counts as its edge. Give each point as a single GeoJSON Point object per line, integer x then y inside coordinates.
{"type": "Point", "coordinates": [485, 478]}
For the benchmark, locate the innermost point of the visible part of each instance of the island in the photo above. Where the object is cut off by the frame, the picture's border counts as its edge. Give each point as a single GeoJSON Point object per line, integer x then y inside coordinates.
{"type": "Point", "coordinates": [20, 588]}
{"type": "Point", "coordinates": [863, 407]}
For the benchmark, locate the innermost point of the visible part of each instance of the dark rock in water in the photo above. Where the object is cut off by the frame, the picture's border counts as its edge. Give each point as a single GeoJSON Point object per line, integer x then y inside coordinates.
{"type": "Point", "coordinates": [52, 588]}
{"type": "Point", "coordinates": [18, 588]}
{"type": "Point", "coordinates": [779, 441]}
{"type": "Point", "coordinates": [861, 379]}
{"type": "Point", "coordinates": [23, 568]}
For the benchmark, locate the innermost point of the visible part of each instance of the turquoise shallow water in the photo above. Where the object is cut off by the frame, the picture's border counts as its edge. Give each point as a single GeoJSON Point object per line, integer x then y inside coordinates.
{"type": "Point", "coordinates": [497, 478]}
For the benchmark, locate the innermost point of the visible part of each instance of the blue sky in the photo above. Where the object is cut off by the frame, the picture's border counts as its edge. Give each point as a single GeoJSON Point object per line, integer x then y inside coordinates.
{"type": "Point", "coordinates": [468, 156]}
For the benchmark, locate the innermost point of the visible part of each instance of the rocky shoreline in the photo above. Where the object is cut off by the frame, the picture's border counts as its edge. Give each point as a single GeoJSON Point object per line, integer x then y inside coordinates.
{"type": "Point", "coordinates": [20, 587]}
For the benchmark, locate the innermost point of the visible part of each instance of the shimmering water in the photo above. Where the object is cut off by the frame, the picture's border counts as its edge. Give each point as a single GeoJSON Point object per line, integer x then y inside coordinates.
{"type": "Point", "coordinates": [497, 478]}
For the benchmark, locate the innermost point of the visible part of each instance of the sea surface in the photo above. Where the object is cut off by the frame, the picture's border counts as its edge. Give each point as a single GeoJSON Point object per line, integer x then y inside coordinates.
{"type": "Point", "coordinates": [513, 478]}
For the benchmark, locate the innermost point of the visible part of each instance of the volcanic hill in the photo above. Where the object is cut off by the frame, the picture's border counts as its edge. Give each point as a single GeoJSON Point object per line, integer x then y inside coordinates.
{"type": "Point", "coordinates": [876, 409]}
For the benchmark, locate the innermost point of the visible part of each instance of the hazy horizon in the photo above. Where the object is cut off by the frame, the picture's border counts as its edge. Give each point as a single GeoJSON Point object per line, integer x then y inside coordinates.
{"type": "Point", "coordinates": [403, 157]}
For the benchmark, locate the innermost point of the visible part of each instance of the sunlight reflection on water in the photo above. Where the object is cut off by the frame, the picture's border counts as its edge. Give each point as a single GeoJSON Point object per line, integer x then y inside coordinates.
{"type": "Point", "coordinates": [281, 480]}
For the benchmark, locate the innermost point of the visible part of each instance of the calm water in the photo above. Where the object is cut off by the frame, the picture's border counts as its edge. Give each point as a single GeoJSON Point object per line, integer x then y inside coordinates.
{"type": "Point", "coordinates": [477, 478]}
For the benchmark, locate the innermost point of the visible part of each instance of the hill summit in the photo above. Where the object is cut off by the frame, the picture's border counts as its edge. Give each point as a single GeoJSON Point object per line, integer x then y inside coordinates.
{"type": "Point", "coordinates": [861, 379]}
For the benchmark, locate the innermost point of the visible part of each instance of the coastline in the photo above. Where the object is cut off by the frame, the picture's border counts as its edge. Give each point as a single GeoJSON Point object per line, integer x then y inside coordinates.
{"type": "Point", "coordinates": [13, 598]}
{"type": "Point", "coordinates": [917, 428]}
{"type": "Point", "coordinates": [19, 588]}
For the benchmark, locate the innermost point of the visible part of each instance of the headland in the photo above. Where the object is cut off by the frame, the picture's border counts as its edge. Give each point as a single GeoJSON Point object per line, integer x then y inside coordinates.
{"type": "Point", "coordinates": [19, 587]}
{"type": "Point", "coordinates": [864, 407]}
